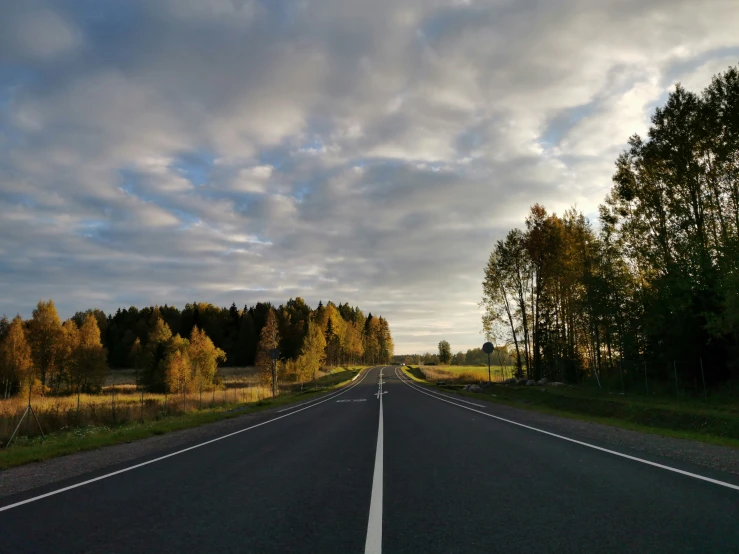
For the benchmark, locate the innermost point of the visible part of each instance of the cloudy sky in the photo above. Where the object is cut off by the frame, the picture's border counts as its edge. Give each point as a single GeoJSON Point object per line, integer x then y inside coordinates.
{"type": "Point", "coordinates": [164, 151]}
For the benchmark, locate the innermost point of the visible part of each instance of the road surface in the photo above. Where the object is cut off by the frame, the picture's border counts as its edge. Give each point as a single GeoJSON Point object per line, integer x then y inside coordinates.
{"type": "Point", "coordinates": [383, 466]}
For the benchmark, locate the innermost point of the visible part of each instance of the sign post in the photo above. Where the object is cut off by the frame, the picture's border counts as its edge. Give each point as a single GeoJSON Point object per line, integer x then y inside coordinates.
{"type": "Point", "coordinates": [488, 348]}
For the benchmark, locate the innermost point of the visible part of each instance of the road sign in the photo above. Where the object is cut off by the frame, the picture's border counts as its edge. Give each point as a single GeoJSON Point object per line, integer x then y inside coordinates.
{"type": "Point", "coordinates": [274, 353]}
{"type": "Point", "coordinates": [488, 348]}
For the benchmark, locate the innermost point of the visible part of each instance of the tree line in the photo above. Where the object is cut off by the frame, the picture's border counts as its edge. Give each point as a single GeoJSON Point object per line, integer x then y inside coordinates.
{"type": "Point", "coordinates": [657, 280]}
{"type": "Point", "coordinates": [179, 351]}
{"type": "Point", "coordinates": [473, 357]}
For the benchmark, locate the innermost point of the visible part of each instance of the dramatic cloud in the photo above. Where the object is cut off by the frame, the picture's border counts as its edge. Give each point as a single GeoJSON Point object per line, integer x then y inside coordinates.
{"type": "Point", "coordinates": [369, 152]}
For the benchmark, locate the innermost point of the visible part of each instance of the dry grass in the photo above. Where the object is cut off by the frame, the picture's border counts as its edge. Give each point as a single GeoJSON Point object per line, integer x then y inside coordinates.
{"type": "Point", "coordinates": [465, 374]}
{"type": "Point", "coordinates": [116, 405]}
{"type": "Point", "coordinates": [120, 402]}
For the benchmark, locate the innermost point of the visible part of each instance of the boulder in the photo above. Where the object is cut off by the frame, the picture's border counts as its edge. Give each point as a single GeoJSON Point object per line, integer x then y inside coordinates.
{"type": "Point", "coordinates": [556, 384]}
{"type": "Point", "coordinates": [511, 381]}
{"type": "Point", "coordinates": [530, 382]}
{"type": "Point", "coordinates": [523, 381]}
{"type": "Point", "coordinates": [542, 381]}
{"type": "Point", "coordinates": [472, 388]}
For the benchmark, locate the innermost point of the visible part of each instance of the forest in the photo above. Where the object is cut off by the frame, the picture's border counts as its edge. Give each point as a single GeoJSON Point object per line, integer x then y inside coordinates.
{"type": "Point", "coordinates": [650, 290]}
{"type": "Point", "coordinates": [176, 350]}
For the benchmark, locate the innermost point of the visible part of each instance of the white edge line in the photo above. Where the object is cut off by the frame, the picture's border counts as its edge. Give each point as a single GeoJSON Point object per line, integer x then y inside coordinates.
{"type": "Point", "coordinates": [124, 470]}
{"type": "Point", "coordinates": [373, 543]}
{"type": "Point", "coordinates": [315, 399]}
{"type": "Point", "coordinates": [628, 457]}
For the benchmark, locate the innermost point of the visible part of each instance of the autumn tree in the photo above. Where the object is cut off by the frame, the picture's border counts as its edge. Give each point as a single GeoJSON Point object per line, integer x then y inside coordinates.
{"type": "Point", "coordinates": [204, 357]}
{"type": "Point", "coordinates": [16, 362]}
{"type": "Point", "coordinates": [176, 366]}
{"type": "Point", "coordinates": [269, 338]}
{"type": "Point", "coordinates": [44, 334]}
{"type": "Point", "coordinates": [88, 365]}
{"type": "Point", "coordinates": [312, 355]}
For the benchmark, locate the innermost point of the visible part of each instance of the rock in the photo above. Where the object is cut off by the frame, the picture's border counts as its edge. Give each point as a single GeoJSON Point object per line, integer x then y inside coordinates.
{"type": "Point", "coordinates": [523, 381]}
{"type": "Point", "coordinates": [542, 381]}
{"type": "Point", "coordinates": [473, 388]}
{"type": "Point", "coordinates": [556, 384]}
{"type": "Point", "coordinates": [530, 382]}
{"type": "Point", "coordinates": [511, 381]}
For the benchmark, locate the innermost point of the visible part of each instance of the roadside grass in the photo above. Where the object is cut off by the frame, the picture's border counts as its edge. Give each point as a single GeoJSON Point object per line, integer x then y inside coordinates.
{"type": "Point", "coordinates": [89, 437]}
{"type": "Point", "coordinates": [717, 424]}
{"type": "Point", "coordinates": [464, 374]}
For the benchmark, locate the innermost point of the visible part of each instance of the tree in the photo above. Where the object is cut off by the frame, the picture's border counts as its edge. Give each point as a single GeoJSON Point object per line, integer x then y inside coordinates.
{"type": "Point", "coordinates": [312, 355]}
{"type": "Point", "coordinates": [204, 357]}
{"type": "Point", "coordinates": [45, 335]}
{"type": "Point", "coordinates": [176, 365]}
{"type": "Point", "coordinates": [16, 362]}
{"type": "Point", "coordinates": [137, 355]}
{"type": "Point", "coordinates": [153, 375]}
{"type": "Point", "coordinates": [445, 353]}
{"type": "Point", "coordinates": [88, 366]}
{"type": "Point", "coordinates": [269, 338]}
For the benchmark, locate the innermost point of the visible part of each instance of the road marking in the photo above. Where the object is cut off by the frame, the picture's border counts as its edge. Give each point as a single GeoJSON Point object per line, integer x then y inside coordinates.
{"type": "Point", "coordinates": [460, 400]}
{"type": "Point", "coordinates": [311, 401]}
{"type": "Point", "coordinates": [627, 456]}
{"type": "Point", "coordinates": [353, 400]}
{"type": "Point", "coordinates": [160, 458]}
{"type": "Point", "coordinates": [373, 544]}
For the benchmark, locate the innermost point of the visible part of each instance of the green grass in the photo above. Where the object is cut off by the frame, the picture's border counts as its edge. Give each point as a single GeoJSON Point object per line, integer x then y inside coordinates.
{"type": "Point", "coordinates": [688, 420]}
{"type": "Point", "coordinates": [35, 449]}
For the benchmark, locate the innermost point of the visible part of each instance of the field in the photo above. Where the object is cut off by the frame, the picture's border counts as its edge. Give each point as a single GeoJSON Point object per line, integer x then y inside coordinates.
{"type": "Point", "coordinates": [714, 421]}
{"type": "Point", "coordinates": [120, 404]}
{"type": "Point", "coordinates": [464, 373]}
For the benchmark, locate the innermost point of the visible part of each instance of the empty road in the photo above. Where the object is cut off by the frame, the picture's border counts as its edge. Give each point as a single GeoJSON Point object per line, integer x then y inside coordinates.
{"type": "Point", "coordinates": [383, 465]}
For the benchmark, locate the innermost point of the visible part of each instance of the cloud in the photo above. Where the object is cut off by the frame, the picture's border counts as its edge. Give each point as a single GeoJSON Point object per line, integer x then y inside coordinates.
{"type": "Point", "coordinates": [235, 150]}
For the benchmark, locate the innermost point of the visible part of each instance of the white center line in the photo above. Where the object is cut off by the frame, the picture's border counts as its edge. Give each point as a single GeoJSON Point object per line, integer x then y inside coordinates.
{"type": "Point", "coordinates": [634, 458]}
{"type": "Point", "coordinates": [373, 544]}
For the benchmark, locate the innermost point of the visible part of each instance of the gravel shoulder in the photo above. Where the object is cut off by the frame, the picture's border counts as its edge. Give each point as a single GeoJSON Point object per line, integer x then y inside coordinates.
{"type": "Point", "coordinates": [712, 456]}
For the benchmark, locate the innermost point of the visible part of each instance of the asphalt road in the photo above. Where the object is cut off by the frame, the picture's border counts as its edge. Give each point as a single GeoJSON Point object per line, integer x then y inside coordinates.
{"type": "Point", "coordinates": [407, 470]}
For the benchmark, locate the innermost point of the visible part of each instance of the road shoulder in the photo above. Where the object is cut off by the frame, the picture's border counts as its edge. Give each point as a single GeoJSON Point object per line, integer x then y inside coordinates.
{"type": "Point", "coordinates": [712, 456]}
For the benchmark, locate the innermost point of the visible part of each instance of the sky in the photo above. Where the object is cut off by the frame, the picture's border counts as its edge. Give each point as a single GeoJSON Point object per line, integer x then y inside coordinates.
{"type": "Point", "coordinates": [170, 151]}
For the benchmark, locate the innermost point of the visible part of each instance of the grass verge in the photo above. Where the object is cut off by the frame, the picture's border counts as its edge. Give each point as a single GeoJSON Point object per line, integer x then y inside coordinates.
{"type": "Point", "coordinates": [36, 449]}
{"type": "Point", "coordinates": [678, 421]}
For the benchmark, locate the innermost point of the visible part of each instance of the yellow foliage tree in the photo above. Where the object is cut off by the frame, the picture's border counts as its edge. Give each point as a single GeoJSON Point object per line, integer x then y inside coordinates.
{"type": "Point", "coordinates": [45, 339]}
{"type": "Point", "coordinates": [204, 357]}
{"type": "Point", "coordinates": [15, 356]}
